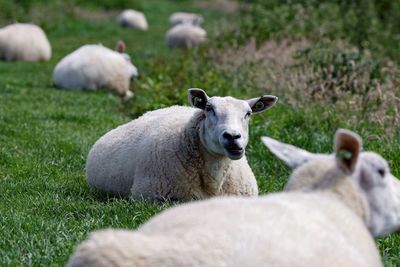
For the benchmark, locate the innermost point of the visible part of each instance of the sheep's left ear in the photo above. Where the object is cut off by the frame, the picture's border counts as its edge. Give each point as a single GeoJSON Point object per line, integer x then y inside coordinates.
{"type": "Point", "coordinates": [262, 103]}
{"type": "Point", "coordinates": [291, 155]}
{"type": "Point", "coordinates": [347, 145]}
{"type": "Point", "coordinates": [197, 97]}
{"type": "Point", "coordinates": [120, 48]}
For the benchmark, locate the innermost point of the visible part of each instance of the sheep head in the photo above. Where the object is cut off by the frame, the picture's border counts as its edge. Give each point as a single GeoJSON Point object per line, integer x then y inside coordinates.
{"type": "Point", "coordinates": [121, 48]}
{"type": "Point", "coordinates": [368, 170]}
{"type": "Point", "coordinates": [224, 130]}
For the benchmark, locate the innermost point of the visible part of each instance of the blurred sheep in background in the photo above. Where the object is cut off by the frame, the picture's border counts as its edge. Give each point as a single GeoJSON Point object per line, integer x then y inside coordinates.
{"type": "Point", "coordinates": [185, 18]}
{"type": "Point", "coordinates": [24, 42]}
{"type": "Point", "coordinates": [133, 19]}
{"type": "Point", "coordinates": [95, 66]}
{"type": "Point", "coordinates": [185, 36]}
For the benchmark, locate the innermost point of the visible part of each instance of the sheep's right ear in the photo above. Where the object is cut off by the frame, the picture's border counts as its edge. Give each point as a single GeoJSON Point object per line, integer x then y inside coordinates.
{"type": "Point", "coordinates": [347, 145]}
{"type": "Point", "coordinates": [291, 155]}
{"type": "Point", "coordinates": [262, 103]}
{"type": "Point", "coordinates": [120, 48]}
{"type": "Point", "coordinates": [197, 97]}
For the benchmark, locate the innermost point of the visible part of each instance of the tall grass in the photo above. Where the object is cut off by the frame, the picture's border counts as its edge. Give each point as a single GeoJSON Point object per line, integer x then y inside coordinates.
{"type": "Point", "coordinates": [368, 24]}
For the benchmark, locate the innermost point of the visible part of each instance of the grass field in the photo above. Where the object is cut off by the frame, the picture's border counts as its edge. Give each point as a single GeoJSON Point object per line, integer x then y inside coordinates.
{"type": "Point", "coordinates": [46, 208]}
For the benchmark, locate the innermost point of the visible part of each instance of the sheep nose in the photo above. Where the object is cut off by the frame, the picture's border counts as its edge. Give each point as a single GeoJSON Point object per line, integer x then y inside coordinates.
{"type": "Point", "coordinates": [230, 136]}
{"type": "Point", "coordinates": [134, 76]}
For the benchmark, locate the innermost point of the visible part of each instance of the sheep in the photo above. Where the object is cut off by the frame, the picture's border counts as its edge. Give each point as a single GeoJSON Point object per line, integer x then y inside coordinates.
{"type": "Point", "coordinates": [179, 153]}
{"type": "Point", "coordinates": [379, 191]}
{"type": "Point", "coordinates": [327, 223]}
{"type": "Point", "coordinates": [24, 42]}
{"type": "Point", "coordinates": [95, 66]}
{"type": "Point", "coordinates": [185, 36]}
{"type": "Point", "coordinates": [133, 19]}
{"type": "Point", "coordinates": [186, 18]}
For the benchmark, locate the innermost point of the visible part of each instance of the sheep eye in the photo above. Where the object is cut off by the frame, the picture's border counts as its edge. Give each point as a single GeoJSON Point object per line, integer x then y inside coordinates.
{"type": "Point", "coordinates": [381, 172]}
{"type": "Point", "coordinates": [247, 114]}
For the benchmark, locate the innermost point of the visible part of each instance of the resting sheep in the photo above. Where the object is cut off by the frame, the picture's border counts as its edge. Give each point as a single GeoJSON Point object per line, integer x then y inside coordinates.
{"type": "Point", "coordinates": [95, 66]}
{"type": "Point", "coordinates": [329, 223]}
{"type": "Point", "coordinates": [185, 18]}
{"type": "Point", "coordinates": [179, 153]}
{"type": "Point", "coordinates": [185, 36]}
{"type": "Point", "coordinates": [133, 19]}
{"type": "Point", "coordinates": [24, 42]}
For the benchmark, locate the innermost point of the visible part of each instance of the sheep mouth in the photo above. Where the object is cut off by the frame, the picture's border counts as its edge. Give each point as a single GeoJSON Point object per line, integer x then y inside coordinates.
{"type": "Point", "coordinates": [234, 151]}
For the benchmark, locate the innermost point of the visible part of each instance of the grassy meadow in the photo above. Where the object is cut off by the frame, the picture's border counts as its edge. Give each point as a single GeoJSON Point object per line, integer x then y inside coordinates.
{"type": "Point", "coordinates": [336, 69]}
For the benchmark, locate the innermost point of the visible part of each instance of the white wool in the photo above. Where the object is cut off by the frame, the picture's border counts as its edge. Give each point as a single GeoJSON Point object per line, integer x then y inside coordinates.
{"type": "Point", "coordinates": [321, 226]}
{"type": "Point", "coordinates": [25, 42]}
{"type": "Point", "coordinates": [95, 66]}
{"type": "Point", "coordinates": [185, 36]}
{"type": "Point", "coordinates": [185, 18]}
{"type": "Point", "coordinates": [133, 19]}
{"type": "Point", "coordinates": [283, 230]}
{"type": "Point", "coordinates": [178, 153]}
{"type": "Point", "coordinates": [379, 189]}
{"type": "Point", "coordinates": [155, 158]}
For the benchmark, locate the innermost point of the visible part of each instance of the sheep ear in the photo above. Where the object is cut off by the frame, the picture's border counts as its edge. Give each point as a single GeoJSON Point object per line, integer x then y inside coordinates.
{"type": "Point", "coordinates": [262, 103]}
{"type": "Point", "coordinates": [120, 48]}
{"type": "Point", "coordinates": [291, 155]}
{"type": "Point", "coordinates": [197, 97]}
{"type": "Point", "coordinates": [347, 146]}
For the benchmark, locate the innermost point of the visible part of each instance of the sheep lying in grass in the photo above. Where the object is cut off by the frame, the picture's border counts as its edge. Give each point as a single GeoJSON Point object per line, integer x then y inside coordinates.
{"type": "Point", "coordinates": [329, 223]}
{"type": "Point", "coordinates": [25, 42]}
{"type": "Point", "coordinates": [185, 36]}
{"type": "Point", "coordinates": [133, 19]}
{"type": "Point", "coordinates": [378, 192]}
{"type": "Point", "coordinates": [179, 153]}
{"type": "Point", "coordinates": [185, 18]}
{"type": "Point", "coordinates": [95, 66]}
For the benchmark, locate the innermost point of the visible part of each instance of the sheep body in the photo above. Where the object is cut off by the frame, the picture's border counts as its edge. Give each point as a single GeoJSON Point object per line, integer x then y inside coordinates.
{"type": "Point", "coordinates": [185, 18]}
{"type": "Point", "coordinates": [238, 232]}
{"type": "Point", "coordinates": [185, 36]}
{"type": "Point", "coordinates": [95, 66]}
{"type": "Point", "coordinates": [25, 42]}
{"type": "Point", "coordinates": [327, 222]}
{"type": "Point", "coordinates": [159, 156]}
{"type": "Point", "coordinates": [133, 19]}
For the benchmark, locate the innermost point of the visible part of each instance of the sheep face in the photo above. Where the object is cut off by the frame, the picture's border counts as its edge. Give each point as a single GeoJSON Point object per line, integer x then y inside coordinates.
{"type": "Point", "coordinates": [382, 190]}
{"type": "Point", "coordinates": [369, 171]}
{"type": "Point", "coordinates": [120, 48]}
{"type": "Point", "coordinates": [225, 128]}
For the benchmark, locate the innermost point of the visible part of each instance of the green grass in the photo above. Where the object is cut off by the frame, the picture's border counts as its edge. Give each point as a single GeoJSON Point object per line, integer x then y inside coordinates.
{"type": "Point", "coordinates": [46, 208]}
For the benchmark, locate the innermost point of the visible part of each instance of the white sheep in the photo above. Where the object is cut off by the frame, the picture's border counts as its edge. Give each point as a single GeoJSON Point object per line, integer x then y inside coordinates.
{"type": "Point", "coordinates": [185, 18]}
{"type": "Point", "coordinates": [329, 223]}
{"type": "Point", "coordinates": [185, 36]}
{"type": "Point", "coordinates": [95, 66]}
{"type": "Point", "coordinates": [179, 153]}
{"type": "Point", "coordinates": [25, 42]}
{"type": "Point", "coordinates": [133, 19]}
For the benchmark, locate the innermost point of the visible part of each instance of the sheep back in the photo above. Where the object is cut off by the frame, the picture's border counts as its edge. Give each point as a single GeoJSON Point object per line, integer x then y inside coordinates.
{"type": "Point", "coordinates": [307, 229]}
